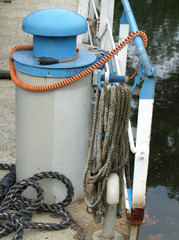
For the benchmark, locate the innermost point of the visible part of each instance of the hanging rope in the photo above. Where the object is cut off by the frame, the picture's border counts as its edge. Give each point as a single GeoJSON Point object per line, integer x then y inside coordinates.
{"type": "Point", "coordinates": [109, 147]}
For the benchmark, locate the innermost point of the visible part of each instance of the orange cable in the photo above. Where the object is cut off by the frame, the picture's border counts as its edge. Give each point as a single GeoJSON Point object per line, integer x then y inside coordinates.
{"type": "Point", "coordinates": [133, 75]}
{"type": "Point", "coordinates": [70, 59]}
{"type": "Point", "coordinates": [77, 76]}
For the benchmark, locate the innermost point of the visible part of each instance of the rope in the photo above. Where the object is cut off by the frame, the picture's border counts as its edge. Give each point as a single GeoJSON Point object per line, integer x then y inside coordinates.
{"type": "Point", "coordinates": [73, 78]}
{"type": "Point", "coordinates": [109, 147]}
{"type": "Point", "coordinates": [21, 219]}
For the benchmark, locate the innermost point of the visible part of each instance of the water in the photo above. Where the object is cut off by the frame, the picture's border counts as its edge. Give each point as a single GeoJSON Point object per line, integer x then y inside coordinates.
{"type": "Point", "coordinates": [159, 20]}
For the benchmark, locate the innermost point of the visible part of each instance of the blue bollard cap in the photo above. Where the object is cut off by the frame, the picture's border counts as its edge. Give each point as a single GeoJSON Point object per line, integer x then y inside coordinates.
{"type": "Point", "coordinates": [54, 32]}
{"type": "Point", "coordinates": [55, 22]}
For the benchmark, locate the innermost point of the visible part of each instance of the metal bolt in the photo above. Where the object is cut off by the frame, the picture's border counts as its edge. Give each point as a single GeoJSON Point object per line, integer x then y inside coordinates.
{"type": "Point", "coordinates": [77, 228]}
{"type": "Point", "coordinates": [80, 236]}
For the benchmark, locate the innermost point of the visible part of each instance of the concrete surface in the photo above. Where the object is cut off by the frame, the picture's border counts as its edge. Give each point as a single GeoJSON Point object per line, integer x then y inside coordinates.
{"type": "Point", "coordinates": [7, 155]}
{"type": "Point", "coordinates": [7, 121]}
{"type": "Point", "coordinates": [11, 17]}
{"type": "Point", "coordinates": [98, 236]}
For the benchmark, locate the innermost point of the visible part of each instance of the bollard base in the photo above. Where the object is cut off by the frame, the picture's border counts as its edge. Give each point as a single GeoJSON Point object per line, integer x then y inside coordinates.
{"type": "Point", "coordinates": [98, 236]}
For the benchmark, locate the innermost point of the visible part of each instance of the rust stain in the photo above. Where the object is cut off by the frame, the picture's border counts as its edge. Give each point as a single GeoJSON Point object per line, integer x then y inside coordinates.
{"type": "Point", "coordinates": [136, 217]}
{"type": "Point", "coordinates": [128, 214]}
{"type": "Point", "coordinates": [137, 213]}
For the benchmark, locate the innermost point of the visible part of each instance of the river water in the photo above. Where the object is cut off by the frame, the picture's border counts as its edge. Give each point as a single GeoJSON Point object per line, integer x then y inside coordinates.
{"type": "Point", "coordinates": [159, 19]}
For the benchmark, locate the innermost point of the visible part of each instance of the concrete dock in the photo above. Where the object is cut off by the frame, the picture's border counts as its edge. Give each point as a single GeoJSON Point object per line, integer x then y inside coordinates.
{"type": "Point", "coordinates": [11, 34]}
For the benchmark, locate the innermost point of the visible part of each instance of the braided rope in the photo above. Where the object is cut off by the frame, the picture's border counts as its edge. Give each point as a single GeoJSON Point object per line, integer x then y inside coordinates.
{"type": "Point", "coordinates": [109, 147]}
{"type": "Point", "coordinates": [5, 166]}
{"type": "Point", "coordinates": [20, 219]}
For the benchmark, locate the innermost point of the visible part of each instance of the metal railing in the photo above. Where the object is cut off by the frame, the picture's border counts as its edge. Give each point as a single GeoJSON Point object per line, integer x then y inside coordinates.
{"type": "Point", "coordinates": [135, 197]}
{"type": "Point", "coordinates": [149, 70]}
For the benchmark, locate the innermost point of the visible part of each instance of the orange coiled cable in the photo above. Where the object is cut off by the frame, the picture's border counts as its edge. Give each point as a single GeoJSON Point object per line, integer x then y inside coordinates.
{"type": "Point", "coordinates": [133, 75]}
{"type": "Point", "coordinates": [70, 59]}
{"type": "Point", "coordinates": [77, 76]}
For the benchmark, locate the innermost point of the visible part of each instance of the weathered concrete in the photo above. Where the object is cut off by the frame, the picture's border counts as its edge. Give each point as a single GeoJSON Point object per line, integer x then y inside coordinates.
{"type": "Point", "coordinates": [11, 17]}
{"type": "Point", "coordinates": [98, 236]}
{"type": "Point", "coordinates": [7, 121]}
{"type": "Point", "coordinates": [7, 155]}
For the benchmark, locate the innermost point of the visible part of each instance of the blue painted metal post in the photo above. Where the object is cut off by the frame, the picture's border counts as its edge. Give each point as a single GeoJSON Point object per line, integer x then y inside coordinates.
{"type": "Point", "coordinates": [144, 123]}
{"type": "Point", "coordinates": [149, 70]}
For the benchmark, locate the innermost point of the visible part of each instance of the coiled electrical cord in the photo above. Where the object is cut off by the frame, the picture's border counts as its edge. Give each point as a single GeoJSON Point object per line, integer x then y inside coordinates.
{"type": "Point", "coordinates": [76, 77]}
{"type": "Point", "coordinates": [19, 220]}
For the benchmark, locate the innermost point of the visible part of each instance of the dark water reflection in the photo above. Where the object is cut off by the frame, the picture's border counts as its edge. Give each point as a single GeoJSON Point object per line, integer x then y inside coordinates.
{"type": "Point", "coordinates": [160, 20]}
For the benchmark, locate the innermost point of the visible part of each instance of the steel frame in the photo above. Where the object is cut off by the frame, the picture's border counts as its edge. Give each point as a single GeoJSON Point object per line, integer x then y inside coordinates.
{"type": "Point", "coordinates": [135, 198]}
{"type": "Point", "coordinates": [144, 123]}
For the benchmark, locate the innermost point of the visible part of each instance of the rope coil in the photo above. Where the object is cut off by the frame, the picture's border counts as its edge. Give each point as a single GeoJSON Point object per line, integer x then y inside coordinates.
{"type": "Point", "coordinates": [109, 146]}
{"type": "Point", "coordinates": [21, 219]}
{"type": "Point", "coordinates": [77, 76]}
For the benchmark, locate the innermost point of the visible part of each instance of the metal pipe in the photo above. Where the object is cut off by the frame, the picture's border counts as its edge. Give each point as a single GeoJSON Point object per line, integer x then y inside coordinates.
{"type": "Point", "coordinates": [127, 195]}
{"type": "Point", "coordinates": [145, 60]}
{"type": "Point", "coordinates": [107, 67]}
{"type": "Point", "coordinates": [112, 198]}
{"type": "Point", "coordinates": [131, 138]}
{"type": "Point", "coordinates": [134, 232]}
{"type": "Point", "coordinates": [109, 222]}
{"type": "Point", "coordinates": [90, 35]}
{"type": "Point", "coordinates": [114, 78]}
{"type": "Point", "coordinates": [113, 45]}
{"type": "Point", "coordinates": [94, 7]}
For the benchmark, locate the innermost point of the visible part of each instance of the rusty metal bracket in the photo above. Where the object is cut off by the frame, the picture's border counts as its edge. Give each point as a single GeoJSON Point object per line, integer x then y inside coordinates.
{"type": "Point", "coordinates": [137, 216]}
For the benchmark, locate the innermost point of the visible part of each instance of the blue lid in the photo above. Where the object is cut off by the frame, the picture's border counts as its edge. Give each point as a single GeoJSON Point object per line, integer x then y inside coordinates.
{"type": "Point", "coordinates": [25, 62]}
{"type": "Point", "coordinates": [55, 22]}
{"type": "Point", "coordinates": [54, 35]}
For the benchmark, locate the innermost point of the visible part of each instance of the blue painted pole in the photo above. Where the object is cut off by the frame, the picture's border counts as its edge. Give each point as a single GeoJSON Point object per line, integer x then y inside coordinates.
{"type": "Point", "coordinates": [129, 191]}
{"type": "Point", "coordinates": [149, 70]}
{"type": "Point", "coordinates": [113, 78]}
